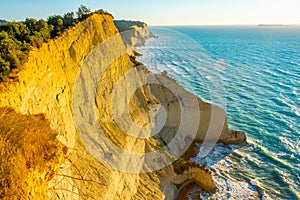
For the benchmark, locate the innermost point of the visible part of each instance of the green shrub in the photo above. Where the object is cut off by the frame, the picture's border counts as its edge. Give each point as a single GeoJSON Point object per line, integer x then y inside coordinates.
{"type": "Point", "coordinates": [57, 22]}
{"type": "Point", "coordinates": [69, 19]}
{"type": "Point", "coordinates": [17, 30]}
{"type": "Point", "coordinates": [4, 66]}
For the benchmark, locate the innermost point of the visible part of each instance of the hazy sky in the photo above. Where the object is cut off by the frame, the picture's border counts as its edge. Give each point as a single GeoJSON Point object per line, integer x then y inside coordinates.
{"type": "Point", "coordinates": [166, 12]}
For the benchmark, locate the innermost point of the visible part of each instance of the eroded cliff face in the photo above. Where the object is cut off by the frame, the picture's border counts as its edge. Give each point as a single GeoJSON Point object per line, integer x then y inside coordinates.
{"type": "Point", "coordinates": [46, 85]}
{"type": "Point", "coordinates": [134, 33]}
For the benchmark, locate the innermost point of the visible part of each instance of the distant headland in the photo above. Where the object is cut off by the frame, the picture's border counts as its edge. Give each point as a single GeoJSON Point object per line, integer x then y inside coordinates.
{"type": "Point", "coordinates": [274, 25]}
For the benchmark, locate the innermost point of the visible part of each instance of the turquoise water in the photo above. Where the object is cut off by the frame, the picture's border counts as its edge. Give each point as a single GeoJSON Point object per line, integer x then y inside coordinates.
{"type": "Point", "coordinates": [259, 69]}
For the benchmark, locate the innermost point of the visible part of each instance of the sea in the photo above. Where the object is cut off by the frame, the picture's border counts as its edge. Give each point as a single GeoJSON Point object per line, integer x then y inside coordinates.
{"type": "Point", "coordinates": [253, 72]}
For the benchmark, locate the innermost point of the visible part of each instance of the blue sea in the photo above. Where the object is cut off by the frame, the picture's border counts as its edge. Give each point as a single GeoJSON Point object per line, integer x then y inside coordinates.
{"type": "Point", "coordinates": [253, 72]}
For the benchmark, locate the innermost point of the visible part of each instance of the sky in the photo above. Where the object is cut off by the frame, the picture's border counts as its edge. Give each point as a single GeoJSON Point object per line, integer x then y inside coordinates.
{"type": "Point", "coordinates": [166, 12]}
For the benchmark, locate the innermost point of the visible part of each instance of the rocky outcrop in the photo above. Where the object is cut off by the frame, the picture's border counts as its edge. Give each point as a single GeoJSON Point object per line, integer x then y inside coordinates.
{"type": "Point", "coordinates": [47, 84]}
{"type": "Point", "coordinates": [134, 33]}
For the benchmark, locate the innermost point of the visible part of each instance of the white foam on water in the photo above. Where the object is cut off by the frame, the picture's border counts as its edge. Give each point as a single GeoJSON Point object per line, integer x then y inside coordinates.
{"type": "Point", "coordinates": [296, 110]}
{"type": "Point", "coordinates": [210, 78]}
{"type": "Point", "coordinates": [221, 65]}
{"type": "Point", "coordinates": [289, 144]}
{"type": "Point", "coordinates": [228, 187]}
{"type": "Point", "coordinates": [298, 146]}
{"type": "Point", "coordinates": [295, 91]}
{"type": "Point", "coordinates": [280, 112]}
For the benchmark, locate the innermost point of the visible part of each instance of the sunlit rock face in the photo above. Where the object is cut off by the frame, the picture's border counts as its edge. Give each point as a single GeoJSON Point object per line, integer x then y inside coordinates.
{"type": "Point", "coordinates": [45, 85]}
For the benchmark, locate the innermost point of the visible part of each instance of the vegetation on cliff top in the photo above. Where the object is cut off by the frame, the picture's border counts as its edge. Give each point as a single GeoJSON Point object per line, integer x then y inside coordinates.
{"type": "Point", "coordinates": [17, 38]}
{"type": "Point", "coordinates": [124, 25]}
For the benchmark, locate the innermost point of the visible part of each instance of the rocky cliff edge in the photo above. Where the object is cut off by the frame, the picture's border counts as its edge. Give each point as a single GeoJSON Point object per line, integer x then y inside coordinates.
{"type": "Point", "coordinates": [45, 85]}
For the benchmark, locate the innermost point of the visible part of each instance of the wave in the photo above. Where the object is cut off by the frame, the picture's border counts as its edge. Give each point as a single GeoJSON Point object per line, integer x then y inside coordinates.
{"type": "Point", "coordinates": [220, 166]}
{"type": "Point", "coordinates": [261, 83]}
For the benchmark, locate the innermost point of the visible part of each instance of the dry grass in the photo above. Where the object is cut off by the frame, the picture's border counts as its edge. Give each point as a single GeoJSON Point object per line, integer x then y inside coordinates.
{"type": "Point", "coordinates": [30, 155]}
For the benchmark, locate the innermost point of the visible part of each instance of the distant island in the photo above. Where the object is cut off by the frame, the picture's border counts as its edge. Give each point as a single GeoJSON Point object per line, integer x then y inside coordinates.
{"type": "Point", "coordinates": [274, 25]}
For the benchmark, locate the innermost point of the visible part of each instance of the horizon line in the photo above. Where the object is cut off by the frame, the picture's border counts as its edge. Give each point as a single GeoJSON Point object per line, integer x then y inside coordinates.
{"type": "Point", "coordinates": [263, 24]}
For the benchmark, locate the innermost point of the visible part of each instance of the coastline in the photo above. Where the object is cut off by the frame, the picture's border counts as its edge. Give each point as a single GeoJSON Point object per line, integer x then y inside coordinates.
{"type": "Point", "coordinates": [150, 100]}
{"type": "Point", "coordinates": [217, 165]}
{"type": "Point", "coordinates": [253, 104]}
{"type": "Point", "coordinates": [53, 68]}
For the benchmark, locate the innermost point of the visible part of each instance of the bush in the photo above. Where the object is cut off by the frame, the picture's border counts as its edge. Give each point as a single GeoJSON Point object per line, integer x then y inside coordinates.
{"type": "Point", "coordinates": [39, 30]}
{"type": "Point", "coordinates": [30, 155]}
{"type": "Point", "coordinates": [57, 22]}
{"type": "Point", "coordinates": [69, 19]}
{"type": "Point", "coordinates": [4, 66]}
{"type": "Point", "coordinates": [11, 53]}
{"type": "Point", "coordinates": [17, 30]}
{"type": "Point", "coordinates": [102, 12]}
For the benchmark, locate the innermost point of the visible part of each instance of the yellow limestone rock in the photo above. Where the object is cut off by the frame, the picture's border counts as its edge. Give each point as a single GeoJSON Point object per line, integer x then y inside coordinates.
{"type": "Point", "coordinates": [45, 85]}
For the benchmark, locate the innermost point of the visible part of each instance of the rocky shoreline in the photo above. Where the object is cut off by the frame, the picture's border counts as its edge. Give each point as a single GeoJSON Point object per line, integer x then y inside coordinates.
{"type": "Point", "coordinates": [45, 85]}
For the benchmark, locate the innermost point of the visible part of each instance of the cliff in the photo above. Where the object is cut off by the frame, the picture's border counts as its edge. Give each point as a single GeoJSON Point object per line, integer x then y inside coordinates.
{"type": "Point", "coordinates": [134, 33]}
{"type": "Point", "coordinates": [48, 84]}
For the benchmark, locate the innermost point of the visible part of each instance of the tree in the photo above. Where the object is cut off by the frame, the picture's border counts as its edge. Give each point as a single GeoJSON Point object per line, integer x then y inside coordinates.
{"type": "Point", "coordinates": [17, 30]}
{"type": "Point", "coordinates": [3, 35]}
{"type": "Point", "coordinates": [31, 24]}
{"type": "Point", "coordinates": [83, 12]}
{"type": "Point", "coordinates": [69, 19]}
{"type": "Point", "coordinates": [40, 25]}
{"type": "Point", "coordinates": [4, 67]}
{"type": "Point", "coordinates": [101, 12]}
{"type": "Point", "coordinates": [43, 31]}
{"type": "Point", "coordinates": [58, 24]}
{"type": "Point", "coordinates": [8, 44]}
{"type": "Point", "coordinates": [16, 38]}
{"type": "Point", "coordinates": [11, 53]}
{"type": "Point", "coordinates": [39, 31]}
